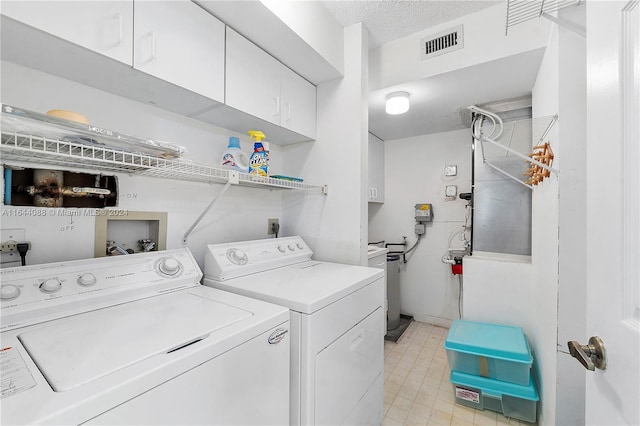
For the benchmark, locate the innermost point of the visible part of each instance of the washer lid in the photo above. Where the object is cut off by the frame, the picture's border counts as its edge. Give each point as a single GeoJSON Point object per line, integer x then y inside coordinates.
{"type": "Point", "coordinates": [86, 347]}
{"type": "Point", "coordinates": [304, 287]}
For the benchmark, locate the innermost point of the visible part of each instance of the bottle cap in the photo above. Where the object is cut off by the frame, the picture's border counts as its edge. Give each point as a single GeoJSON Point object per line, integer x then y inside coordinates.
{"type": "Point", "coordinates": [256, 134]}
{"type": "Point", "coordinates": [234, 142]}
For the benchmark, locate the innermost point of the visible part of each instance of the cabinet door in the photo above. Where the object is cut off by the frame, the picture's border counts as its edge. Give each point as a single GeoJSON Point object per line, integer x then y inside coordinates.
{"type": "Point", "coordinates": [105, 27]}
{"type": "Point", "coordinates": [376, 169]}
{"type": "Point", "coordinates": [298, 102]}
{"type": "Point", "coordinates": [179, 42]}
{"type": "Point", "coordinates": [252, 79]}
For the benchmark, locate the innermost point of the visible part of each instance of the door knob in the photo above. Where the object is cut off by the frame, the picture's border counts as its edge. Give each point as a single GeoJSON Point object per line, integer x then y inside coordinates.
{"type": "Point", "coordinates": [591, 356]}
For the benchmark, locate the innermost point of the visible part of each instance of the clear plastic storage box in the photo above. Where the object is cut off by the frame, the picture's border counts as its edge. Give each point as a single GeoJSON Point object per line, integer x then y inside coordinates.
{"type": "Point", "coordinates": [516, 401]}
{"type": "Point", "coordinates": [489, 350]}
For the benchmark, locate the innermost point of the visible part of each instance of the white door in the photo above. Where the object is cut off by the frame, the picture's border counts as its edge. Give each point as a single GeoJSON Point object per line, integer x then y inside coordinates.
{"type": "Point", "coordinates": [298, 103]}
{"type": "Point", "coordinates": [105, 27]}
{"type": "Point", "coordinates": [179, 42]}
{"type": "Point", "coordinates": [613, 200]}
{"type": "Point", "coordinates": [252, 79]}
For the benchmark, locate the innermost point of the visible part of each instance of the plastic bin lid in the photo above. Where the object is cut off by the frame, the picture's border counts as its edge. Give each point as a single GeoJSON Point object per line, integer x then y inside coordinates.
{"type": "Point", "coordinates": [496, 387]}
{"type": "Point", "coordinates": [490, 340]}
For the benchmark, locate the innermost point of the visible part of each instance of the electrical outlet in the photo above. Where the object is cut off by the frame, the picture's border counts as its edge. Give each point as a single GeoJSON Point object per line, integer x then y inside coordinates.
{"type": "Point", "coordinates": [270, 223]}
{"type": "Point", "coordinates": [8, 246]}
{"type": "Point", "coordinates": [15, 234]}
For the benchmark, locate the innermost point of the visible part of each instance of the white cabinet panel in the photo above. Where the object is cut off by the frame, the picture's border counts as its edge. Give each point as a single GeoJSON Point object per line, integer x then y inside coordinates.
{"type": "Point", "coordinates": [376, 170]}
{"type": "Point", "coordinates": [105, 27]}
{"type": "Point", "coordinates": [179, 42]}
{"type": "Point", "coordinates": [253, 79]}
{"type": "Point", "coordinates": [256, 83]}
{"type": "Point", "coordinates": [298, 103]}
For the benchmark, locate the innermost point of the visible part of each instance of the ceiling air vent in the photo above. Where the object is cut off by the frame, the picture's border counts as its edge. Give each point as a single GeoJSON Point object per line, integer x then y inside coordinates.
{"type": "Point", "coordinates": [443, 42]}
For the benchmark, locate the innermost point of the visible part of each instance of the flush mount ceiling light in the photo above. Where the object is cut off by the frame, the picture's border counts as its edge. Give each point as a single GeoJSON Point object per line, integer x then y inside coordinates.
{"type": "Point", "coordinates": [397, 103]}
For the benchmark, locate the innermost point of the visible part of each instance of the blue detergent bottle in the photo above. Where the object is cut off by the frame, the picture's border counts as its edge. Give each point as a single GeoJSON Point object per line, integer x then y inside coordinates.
{"type": "Point", "coordinates": [234, 158]}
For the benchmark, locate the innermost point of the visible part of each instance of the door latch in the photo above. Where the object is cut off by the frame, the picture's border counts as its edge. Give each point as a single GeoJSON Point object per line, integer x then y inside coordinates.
{"type": "Point", "coordinates": [591, 356]}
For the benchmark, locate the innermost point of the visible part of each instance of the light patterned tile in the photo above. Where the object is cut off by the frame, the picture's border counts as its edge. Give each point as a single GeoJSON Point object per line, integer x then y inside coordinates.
{"type": "Point", "coordinates": [463, 413]}
{"type": "Point", "coordinates": [402, 403]}
{"type": "Point", "coordinates": [425, 399]}
{"type": "Point", "coordinates": [455, 421]}
{"type": "Point", "coordinates": [385, 407]}
{"type": "Point", "coordinates": [485, 418]}
{"type": "Point", "coordinates": [392, 387]}
{"type": "Point", "coordinates": [438, 418]}
{"type": "Point", "coordinates": [407, 393]}
{"type": "Point", "coordinates": [416, 421]}
{"type": "Point", "coordinates": [391, 422]}
{"type": "Point", "coordinates": [397, 414]}
{"type": "Point", "coordinates": [396, 379]}
{"type": "Point", "coordinates": [389, 397]}
{"type": "Point", "coordinates": [445, 407]}
{"type": "Point", "coordinates": [420, 410]}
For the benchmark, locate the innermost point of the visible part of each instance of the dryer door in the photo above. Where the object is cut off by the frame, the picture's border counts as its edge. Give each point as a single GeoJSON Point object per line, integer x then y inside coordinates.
{"type": "Point", "coordinates": [345, 372]}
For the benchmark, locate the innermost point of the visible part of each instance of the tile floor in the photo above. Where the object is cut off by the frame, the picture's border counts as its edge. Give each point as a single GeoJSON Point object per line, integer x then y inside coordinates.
{"type": "Point", "coordinates": [417, 390]}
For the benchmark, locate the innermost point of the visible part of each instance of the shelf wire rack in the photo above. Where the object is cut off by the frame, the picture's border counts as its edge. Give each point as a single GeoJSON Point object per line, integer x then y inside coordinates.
{"type": "Point", "coordinates": [25, 148]}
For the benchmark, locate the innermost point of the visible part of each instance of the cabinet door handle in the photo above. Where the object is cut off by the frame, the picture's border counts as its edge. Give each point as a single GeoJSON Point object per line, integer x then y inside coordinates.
{"type": "Point", "coordinates": [375, 193]}
{"type": "Point", "coordinates": [277, 100]}
{"type": "Point", "coordinates": [152, 47]}
{"type": "Point", "coordinates": [120, 24]}
{"type": "Point", "coordinates": [288, 112]}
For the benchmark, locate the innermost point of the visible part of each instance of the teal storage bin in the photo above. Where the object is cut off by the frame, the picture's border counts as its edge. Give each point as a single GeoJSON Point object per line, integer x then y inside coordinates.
{"type": "Point", "coordinates": [489, 350]}
{"type": "Point", "coordinates": [516, 401]}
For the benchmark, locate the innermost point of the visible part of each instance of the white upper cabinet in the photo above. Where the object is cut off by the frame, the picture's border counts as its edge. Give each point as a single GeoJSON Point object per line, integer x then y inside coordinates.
{"type": "Point", "coordinates": [252, 79]}
{"type": "Point", "coordinates": [297, 104]}
{"type": "Point", "coordinates": [258, 84]}
{"type": "Point", "coordinates": [376, 169]}
{"type": "Point", "coordinates": [105, 27]}
{"type": "Point", "coordinates": [179, 42]}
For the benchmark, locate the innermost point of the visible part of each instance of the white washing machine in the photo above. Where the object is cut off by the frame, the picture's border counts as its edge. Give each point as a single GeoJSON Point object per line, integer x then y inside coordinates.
{"type": "Point", "coordinates": [337, 323]}
{"type": "Point", "coordinates": [137, 340]}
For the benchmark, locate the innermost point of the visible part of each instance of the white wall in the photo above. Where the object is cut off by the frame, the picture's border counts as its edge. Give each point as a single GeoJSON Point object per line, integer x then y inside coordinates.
{"type": "Point", "coordinates": [399, 61]}
{"type": "Point", "coordinates": [572, 204]}
{"type": "Point", "coordinates": [335, 226]}
{"type": "Point", "coordinates": [240, 214]}
{"type": "Point", "coordinates": [559, 225]}
{"type": "Point", "coordinates": [414, 174]}
{"type": "Point", "coordinates": [498, 289]}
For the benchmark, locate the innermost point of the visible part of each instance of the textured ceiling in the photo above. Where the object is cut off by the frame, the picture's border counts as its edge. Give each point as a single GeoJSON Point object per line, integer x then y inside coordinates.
{"type": "Point", "coordinates": [389, 20]}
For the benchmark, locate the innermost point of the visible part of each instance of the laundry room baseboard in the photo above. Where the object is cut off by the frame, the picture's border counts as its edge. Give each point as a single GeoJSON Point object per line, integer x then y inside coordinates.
{"type": "Point", "coordinates": [428, 319]}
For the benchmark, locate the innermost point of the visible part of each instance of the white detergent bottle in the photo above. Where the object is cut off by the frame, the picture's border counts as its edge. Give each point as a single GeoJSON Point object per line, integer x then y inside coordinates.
{"type": "Point", "coordinates": [234, 158]}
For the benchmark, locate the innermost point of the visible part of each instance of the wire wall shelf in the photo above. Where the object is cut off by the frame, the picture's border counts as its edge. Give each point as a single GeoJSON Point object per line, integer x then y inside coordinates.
{"type": "Point", "coordinates": [520, 11]}
{"type": "Point", "coordinates": [27, 148]}
{"type": "Point", "coordinates": [508, 154]}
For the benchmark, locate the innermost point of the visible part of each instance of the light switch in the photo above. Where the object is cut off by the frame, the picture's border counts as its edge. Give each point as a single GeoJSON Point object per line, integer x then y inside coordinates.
{"type": "Point", "coordinates": [451, 190]}
{"type": "Point", "coordinates": [451, 170]}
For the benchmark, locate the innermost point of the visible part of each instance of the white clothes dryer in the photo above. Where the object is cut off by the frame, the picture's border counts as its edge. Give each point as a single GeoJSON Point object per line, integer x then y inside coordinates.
{"type": "Point", "coordinates": [137, 340]}
{"type": "Point", "coordinates": [337, 323]}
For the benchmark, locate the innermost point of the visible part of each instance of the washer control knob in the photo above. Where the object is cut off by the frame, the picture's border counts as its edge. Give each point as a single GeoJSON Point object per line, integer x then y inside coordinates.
{"type": "Point", "coordinates": [169, 266]}
{"type": "Point", "coordinates": [237, 256]}
{"type": "Point", "coordinates": [300, 246]}
{"type": "Point", "coordinates": [87, 280]}
{"type": "Point", "coordinates": [282, 249]}
{"type": "Point", "coordinates": [9, 292]}
{"type": "Point", "coordinates": [291, 247]}
{"type": "Point", "coordinates": [51, 285]}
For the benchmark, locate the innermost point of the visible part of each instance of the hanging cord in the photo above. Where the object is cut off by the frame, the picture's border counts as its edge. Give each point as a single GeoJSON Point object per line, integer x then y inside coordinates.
{"type": "Point", "coordinates": [460, 297]}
